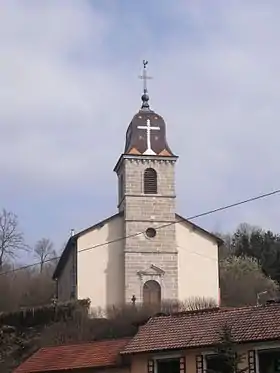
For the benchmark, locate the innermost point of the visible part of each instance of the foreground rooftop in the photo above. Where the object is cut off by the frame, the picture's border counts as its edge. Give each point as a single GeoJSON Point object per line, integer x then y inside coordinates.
{"type": "Point", "coordinates": [202, 328]}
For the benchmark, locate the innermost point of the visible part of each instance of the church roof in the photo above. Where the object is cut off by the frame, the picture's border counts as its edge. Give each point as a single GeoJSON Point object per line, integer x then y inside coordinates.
{"type": "Point", "coordinates": [97, 354]}
{"type": "Point", "coordinates": [146, 135]}
{"type": "Point", "coordinates": [199, 229]}
{"type": "Point", "coordinates": [202, 328]}
{"type": "Point", "coordinates": [72, 242]}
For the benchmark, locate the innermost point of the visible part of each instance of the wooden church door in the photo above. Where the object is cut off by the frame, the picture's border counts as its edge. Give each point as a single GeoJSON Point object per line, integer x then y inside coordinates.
{"type": "Point", "coordinates": [152, 293]}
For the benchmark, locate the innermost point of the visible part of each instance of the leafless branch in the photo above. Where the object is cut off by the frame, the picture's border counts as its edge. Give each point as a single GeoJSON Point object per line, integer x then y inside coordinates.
{"type": "Point", "coordinates": [43, 251]}
{"type": "Point", "coordinates": [11, 238]}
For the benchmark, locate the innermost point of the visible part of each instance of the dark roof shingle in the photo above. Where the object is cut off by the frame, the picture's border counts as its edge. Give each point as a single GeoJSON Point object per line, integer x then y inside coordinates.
{"type": "Point", "coordinates": [85, 355]}
{"type": "Point", "coordinates": [201, 328]}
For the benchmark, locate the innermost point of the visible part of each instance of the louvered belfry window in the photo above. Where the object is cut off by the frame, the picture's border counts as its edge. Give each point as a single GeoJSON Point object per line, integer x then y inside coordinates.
{"type": "Point", "coordinates": [150, 181]}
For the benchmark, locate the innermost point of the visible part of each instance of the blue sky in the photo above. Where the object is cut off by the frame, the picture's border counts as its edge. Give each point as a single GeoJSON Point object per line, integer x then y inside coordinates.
{"type": "Point", "coordinates": [69, 88]}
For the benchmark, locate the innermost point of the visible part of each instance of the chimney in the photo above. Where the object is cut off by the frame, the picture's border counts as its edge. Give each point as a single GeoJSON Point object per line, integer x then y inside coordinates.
{"type": "Point", "coordinates": [72, 232]}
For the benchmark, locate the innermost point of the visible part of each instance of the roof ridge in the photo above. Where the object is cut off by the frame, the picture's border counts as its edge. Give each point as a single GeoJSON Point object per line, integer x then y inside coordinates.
{"type": "Point", "coordinates": [214, 310]}
{"type": "Point", "coordinates": [199, 228]}
{"type": "Point", "coordinates": [202, 310]}
{"type": "Point", "coordinates": [83, 343]}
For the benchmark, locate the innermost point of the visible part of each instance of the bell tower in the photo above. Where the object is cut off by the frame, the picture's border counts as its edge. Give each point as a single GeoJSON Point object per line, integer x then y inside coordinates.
{"type": "Point", "coordinates": [146, 196]}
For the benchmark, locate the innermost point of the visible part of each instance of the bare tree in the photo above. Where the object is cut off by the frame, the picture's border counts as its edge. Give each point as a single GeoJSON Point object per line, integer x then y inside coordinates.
{"type": "Point", "coordinates": [44, 251]}
{"type": "Point", "coordinates": [11, 238]}
{"type": "Point", "coordinates": [199, 303]}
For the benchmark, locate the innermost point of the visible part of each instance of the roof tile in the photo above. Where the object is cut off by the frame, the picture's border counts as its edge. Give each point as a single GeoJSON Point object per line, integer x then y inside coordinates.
{"type": "Point", "coordinates": [85, 355]}
{"type": "Point", "coordinates": [201, 328]}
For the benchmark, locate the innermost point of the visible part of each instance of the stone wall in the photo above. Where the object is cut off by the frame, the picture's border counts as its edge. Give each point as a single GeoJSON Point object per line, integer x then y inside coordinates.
{"type": "Point", "coordinates": [142, 211]}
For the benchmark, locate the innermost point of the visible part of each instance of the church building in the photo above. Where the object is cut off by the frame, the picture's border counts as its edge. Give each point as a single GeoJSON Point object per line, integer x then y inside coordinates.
{"type": "Point", "coordinates": [146, 252]}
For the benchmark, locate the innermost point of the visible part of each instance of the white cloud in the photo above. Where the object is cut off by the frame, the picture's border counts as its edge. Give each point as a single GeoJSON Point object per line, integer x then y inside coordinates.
{"type": "Point", "coordinates": [47, 97]}
{"type": "Point", "coordinates": [68, 75]}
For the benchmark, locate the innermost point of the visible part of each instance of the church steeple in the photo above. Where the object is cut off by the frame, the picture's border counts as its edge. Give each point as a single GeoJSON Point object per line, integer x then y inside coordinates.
{"type": "Point", "coordinates": [146, 133]}
{"type": "Point", "coordinates": [146, 178]}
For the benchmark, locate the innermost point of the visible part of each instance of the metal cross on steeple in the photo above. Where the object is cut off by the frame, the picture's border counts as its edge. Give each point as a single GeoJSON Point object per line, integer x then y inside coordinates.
{"type": "Point", "coordinates": [148, 129]}
{"type": "Point", "coordinates": [145, 77]}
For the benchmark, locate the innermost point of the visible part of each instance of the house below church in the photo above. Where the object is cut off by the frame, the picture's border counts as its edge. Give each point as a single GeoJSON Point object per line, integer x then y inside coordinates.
{"type": "Point", "coordinates": [78, 358]}
{"type": "Point", "coordinates": [186, 342]}
{"type": "Point", "coordinates": [146, 252]}
{"type": "Point", "coordinates": [191, 342]}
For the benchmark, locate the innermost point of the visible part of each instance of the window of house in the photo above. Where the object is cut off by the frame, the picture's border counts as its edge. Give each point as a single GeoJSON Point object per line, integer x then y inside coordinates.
{"type": "Point", "coordinates": [269, 361]}
{"type": "Point", "coordinates": [150, 181]}
{"type": "Point", "coordinates": [213, 364]}
{"type": "Point", "coordinates": [175, 364]}
{"type": "Point", "coordinates": [262, 361]}
{"type": "Point", "coordinates": [168, 365]}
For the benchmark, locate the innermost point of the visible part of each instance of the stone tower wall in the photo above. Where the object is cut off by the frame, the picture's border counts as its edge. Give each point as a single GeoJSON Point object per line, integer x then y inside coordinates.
{"type": "Point", "coordinates": [142, 211]}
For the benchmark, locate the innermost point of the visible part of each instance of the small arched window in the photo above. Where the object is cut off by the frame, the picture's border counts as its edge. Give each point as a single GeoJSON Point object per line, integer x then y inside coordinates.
{"type": "Point", "coordinates": [150, 181]}
{"type": "Point", "coordinates": [152, 294]}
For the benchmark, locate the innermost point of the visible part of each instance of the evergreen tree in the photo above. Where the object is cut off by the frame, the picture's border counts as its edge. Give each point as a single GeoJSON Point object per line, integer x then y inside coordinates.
{"type": "Point", "coordinates": [229, 359]}
{"type": "Point", "coordinates": [254, 242]}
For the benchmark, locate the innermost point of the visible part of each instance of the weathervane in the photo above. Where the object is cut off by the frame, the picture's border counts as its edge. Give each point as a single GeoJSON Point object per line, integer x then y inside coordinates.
{"type": "Point", "coordinates": [145, 77]}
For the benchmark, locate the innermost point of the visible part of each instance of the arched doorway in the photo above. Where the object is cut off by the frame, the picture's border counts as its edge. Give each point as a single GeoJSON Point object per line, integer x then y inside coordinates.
{"type": "Point", "coordinates": [152, 294]}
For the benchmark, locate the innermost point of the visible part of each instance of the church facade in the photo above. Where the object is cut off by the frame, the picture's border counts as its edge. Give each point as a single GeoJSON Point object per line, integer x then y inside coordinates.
{"type": "Point", "coordinates": [146, 252]}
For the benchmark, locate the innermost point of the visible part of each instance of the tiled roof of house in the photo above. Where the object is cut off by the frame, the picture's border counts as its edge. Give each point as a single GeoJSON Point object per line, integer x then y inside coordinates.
{"type": "Point", "coordinates": [85, 355]}
{"type": "Point", "coordinates": [202, 328]}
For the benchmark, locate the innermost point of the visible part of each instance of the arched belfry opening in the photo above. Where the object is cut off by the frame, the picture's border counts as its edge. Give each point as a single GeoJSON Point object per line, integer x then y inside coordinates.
{"type": "Point", "coordinates": [152, 294]}
{"type": "Point", "coordinates": [150, 181]}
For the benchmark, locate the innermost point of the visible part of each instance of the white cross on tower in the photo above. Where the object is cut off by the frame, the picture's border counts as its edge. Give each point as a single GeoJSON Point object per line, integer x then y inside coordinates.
{"type": "Point", "coordinates": [149, 128]}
